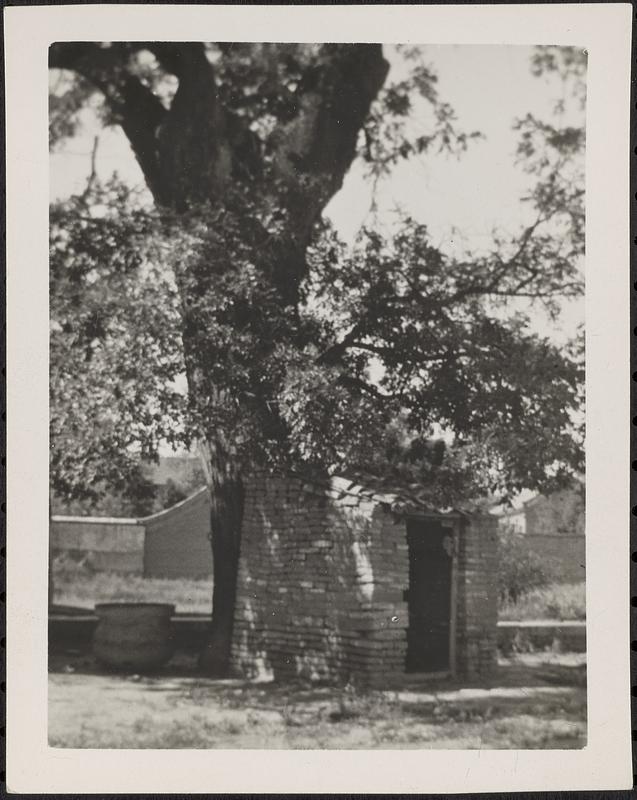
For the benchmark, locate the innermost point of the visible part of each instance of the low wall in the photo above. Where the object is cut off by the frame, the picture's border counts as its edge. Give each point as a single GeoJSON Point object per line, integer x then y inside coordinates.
{"type": "Point", "coordinates": [171, 544]}
{"type": "Point", "coordinates": [66, 630]}
{"type": "Point", "coordinates": [111, 544]}
{"type": "Point", "coordinates": [177, 540]}
{"type": "Point", "coordinates": [189, 631]}
{"type": "Point", "coordinates": [564, 554]}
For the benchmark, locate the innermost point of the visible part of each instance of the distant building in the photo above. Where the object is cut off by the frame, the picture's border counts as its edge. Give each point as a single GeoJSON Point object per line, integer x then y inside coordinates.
{"type": "Point", "coordinates": [561, 513]}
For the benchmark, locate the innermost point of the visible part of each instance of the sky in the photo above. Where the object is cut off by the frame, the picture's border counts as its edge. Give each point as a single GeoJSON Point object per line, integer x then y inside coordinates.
{"type": "Point", "coordinates": [488, 87]}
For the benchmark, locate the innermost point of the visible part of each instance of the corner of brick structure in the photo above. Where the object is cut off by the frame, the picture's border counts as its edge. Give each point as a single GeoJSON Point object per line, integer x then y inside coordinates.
{"type": "Point", "coordinates": [321, 586]}
{"type": "Point", "coordinates": [477, 597]}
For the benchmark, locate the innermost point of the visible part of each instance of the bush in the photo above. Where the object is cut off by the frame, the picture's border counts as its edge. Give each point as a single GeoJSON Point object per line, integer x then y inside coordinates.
{"type": "Point", "coordinates": [560, 601]}
{"type": "Point", "coordinates": [520, 569]}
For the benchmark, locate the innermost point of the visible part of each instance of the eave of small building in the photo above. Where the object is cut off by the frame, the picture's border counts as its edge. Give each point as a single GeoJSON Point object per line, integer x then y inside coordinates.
{"type": "Point", "coordinates": [398, 500]}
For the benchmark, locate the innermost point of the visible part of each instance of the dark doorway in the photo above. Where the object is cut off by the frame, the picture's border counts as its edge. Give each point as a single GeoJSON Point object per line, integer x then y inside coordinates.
{"type": "Point", "coordinates": [429, 597]}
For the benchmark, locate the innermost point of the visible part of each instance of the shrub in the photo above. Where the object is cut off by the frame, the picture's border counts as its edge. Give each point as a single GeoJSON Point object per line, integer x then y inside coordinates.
{"type": "Point", "coordinates": [520, 569]}
{"type": "Point", "coordinates": [561, 601]}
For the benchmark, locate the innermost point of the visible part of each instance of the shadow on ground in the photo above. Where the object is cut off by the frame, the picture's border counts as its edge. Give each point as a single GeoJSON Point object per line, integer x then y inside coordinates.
{"type": "Point", "coordinates": [534, 701]}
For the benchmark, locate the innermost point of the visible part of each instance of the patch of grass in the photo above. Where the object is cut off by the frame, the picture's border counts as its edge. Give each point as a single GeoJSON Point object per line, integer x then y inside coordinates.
{"type": "Point", "coordinates": [149, 716]}
{"type": "Point", "coordinates": [559, 601]}
{"type": "Point", "coordinates": [76, 584]}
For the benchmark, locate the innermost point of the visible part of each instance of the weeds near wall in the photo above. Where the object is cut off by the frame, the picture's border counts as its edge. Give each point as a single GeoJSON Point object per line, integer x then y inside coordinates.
{"type": "Point", "coordinates": [520, 569]}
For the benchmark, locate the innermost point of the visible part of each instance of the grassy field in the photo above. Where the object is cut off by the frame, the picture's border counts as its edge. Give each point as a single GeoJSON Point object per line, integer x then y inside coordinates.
{"type": "Point", "coordinates": [75, 585]}
{"type": "Point", "coordinates": [525, 707]}
{"type": "Point", "coordinates": [518, 710]}
{"type": "Point", "coordinates": [559, 601]}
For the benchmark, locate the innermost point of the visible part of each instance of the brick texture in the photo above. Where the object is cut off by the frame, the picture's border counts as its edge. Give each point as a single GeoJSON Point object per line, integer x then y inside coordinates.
{"type": "Point", "coordinates": [476, 597]}
{"type": "Point", "coordinates": [322, 574]}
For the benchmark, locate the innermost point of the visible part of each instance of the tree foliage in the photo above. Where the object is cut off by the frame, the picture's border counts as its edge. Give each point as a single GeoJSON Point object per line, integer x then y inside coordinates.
{"type": "Point", "coordinates": [115, 348]}
{"type": "Point", "coordinates": [306, 353]}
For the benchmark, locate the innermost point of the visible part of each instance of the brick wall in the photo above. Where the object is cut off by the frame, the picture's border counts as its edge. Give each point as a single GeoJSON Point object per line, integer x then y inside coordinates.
{"type": "Point", "coordinates": [320, 589]}
{"type": "Point", "coordinates": [477, 597]}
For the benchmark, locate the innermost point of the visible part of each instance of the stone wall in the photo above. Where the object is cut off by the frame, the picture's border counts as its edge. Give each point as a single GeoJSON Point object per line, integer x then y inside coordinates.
{"type": "Point", "coordinates": [111, 545]}
{"type": "Point", "coordinates": [322, 576]}
{"type": "Point", "coordinates": [562, 513]}
{"type": "Point", "coordinates": [564, 556]}
{"type": "Point", "coordinates": [177, 543]}
{"type": "Point", "coordinates": [171, 544]}
{"type": "Point", "coordinates": [555, 528]}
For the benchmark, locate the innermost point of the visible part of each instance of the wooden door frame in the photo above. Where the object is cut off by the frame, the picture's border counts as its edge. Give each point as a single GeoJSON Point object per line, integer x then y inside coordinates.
{"type": "Point", "coordinates": [454, 527]}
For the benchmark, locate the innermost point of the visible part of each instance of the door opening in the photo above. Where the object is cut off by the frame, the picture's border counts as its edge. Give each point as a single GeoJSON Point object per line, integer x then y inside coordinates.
{"type": "Point", "coordinates": [429, 597]}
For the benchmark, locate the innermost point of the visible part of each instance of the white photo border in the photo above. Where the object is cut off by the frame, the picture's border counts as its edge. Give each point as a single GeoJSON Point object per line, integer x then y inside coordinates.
{"type": "Point", "coordinates": [605, 763]}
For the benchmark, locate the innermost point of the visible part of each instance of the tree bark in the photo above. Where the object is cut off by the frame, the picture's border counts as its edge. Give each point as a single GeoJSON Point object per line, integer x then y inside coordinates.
{"type": "Point", "coordinates": [226, 493]}
{"type": "Point", "coordinates": [190, 154]}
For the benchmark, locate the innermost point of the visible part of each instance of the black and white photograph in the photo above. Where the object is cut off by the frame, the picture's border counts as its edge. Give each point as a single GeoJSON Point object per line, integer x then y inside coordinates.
{"type": "Point", "coordinates": [317, 378]}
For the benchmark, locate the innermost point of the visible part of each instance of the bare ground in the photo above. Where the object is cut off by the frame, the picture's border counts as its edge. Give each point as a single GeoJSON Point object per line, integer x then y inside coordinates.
{"type": "Point", "coordinates": [536, 701]}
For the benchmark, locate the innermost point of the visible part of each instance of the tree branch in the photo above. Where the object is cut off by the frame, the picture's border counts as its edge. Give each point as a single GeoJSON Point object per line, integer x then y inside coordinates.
{"type": "Point", "coordinates": [334, 352]}
{"type": "Point", "coordinates": [93, 174]}
{"type": "Point", "coordinates": [370, 389]}
{"type": "Point", "coordinates": [137, 109]}
{"type": "Point", "coordinates": [315, 149]}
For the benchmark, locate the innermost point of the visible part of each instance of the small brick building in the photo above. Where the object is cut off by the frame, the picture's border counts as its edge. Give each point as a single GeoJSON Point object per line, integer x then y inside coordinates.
{"type": "Point", "coordinates": [339, 580]}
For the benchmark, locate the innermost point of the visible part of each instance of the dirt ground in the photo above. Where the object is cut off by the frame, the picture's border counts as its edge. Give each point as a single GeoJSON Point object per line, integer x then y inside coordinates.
{"type": "Point", "coordinates": [535, 701]}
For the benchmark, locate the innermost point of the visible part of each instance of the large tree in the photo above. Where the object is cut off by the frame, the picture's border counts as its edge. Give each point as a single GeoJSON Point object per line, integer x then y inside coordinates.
{"type": "Point", "coordinates": [297, 350]}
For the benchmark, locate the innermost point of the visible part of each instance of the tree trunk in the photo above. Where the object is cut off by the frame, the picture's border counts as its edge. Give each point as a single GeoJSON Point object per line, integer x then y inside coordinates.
{"type": "Point", "coordinates": [226, 494]}
{"type": "Point", "coordinates": [192, 153]}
